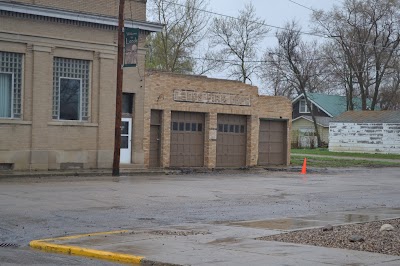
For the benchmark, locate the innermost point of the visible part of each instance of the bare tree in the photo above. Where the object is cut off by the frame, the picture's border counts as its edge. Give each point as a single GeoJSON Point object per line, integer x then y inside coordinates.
{"type": "Point", "coordinates": [185, 27]}
{"type": "Point", "coordinates": [295, 65]}
{"type": "Point", "coordinates": [367, 33]}
{"type": "Point", "coordinates": [390, 92]}
{"type": "Point", "coordinates": [237, 40]}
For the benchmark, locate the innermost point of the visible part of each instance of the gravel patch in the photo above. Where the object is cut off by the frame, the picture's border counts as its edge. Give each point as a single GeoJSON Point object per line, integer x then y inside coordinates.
{"type": "Point", "coordinates": [368, 237]}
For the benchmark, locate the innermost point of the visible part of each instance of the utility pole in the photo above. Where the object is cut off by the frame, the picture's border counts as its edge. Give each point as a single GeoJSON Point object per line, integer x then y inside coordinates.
{"type": "Point", "coordinates": [118, 102]}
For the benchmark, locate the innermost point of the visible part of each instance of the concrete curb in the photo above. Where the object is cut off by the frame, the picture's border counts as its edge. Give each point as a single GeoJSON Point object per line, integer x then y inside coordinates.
{"type": "Point", "coordinates": [45, 245]}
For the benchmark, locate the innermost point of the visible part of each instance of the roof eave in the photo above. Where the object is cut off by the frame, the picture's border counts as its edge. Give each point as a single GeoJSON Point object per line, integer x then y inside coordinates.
{"type": "Point", "coordinates": [316, 104]}
{"type": "Point", "coordinates": [310, 120]}
{"type": "Point", "coordinates": [74, 16]}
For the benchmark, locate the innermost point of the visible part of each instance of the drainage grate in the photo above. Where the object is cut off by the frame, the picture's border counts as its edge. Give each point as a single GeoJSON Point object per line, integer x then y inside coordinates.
{"type": "Point", "coordinates": [8, 245]}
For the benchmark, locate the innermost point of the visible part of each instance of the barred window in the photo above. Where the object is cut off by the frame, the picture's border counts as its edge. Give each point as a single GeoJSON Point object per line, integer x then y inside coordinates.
{"type": "Point", "coordinates": [71, 85]}
{"type": "Point", "coordinates": [10, 85]}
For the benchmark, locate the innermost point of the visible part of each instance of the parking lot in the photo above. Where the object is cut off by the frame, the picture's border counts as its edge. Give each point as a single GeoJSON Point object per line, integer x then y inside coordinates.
{"type": "Point", "coordinates": [37, 208]}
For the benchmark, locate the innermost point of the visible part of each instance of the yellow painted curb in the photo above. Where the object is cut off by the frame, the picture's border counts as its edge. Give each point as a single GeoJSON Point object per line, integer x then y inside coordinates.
{"type": "Point", "coordinates": [85, 252]}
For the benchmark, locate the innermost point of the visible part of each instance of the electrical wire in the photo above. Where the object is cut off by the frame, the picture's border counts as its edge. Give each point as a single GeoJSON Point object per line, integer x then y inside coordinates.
{"type": "Point", "coordinates": [282, 28]}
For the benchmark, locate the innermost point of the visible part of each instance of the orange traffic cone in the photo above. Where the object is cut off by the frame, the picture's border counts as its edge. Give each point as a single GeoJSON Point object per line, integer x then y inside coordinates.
{"type": "Point", "coordinates": [304, 168]}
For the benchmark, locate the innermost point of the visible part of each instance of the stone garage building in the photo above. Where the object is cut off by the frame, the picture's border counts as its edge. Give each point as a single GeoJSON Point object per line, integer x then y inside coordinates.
{"type": "Point", "coordinates": [195, 121]}
{"type": "Point", "coordinates": [366, 132]}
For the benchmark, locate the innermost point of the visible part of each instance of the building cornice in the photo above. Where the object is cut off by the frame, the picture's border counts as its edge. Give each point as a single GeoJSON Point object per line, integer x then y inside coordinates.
{"type": "Point", "coordinates": [77, 16]}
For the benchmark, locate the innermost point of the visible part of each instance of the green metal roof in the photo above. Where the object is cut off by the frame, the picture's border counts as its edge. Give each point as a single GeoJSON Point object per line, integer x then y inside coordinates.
{"type": "Point", "coordinates": [334, 104]}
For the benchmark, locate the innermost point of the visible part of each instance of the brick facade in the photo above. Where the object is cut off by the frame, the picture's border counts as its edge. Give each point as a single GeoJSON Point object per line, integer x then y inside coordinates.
{"type": "Point", "coordinates": [159, 93]}
{"type": "Point", "coordinates": [134, 9]}
{"type": "Point", "coordinates": [37, 141]}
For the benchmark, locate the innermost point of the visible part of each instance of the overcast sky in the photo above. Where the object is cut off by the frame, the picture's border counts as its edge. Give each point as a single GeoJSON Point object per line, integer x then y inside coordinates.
{"type": "Point", "coordinates": [274, 12]}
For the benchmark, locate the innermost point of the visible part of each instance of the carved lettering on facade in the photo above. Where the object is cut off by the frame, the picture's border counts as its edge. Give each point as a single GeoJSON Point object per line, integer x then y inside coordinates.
{"type": "Point", "coordinates": [211, 98]}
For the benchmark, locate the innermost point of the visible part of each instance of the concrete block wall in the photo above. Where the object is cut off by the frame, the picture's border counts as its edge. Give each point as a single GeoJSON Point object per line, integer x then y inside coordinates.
{"type": "Point", "coordinates": [364, 137]}
{"type": "Point", "coordinates": [159, 93]}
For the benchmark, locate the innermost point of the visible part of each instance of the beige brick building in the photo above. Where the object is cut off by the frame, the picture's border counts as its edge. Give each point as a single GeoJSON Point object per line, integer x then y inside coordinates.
{"type": "Point", "coordinates": [58, 80]}
{"type": "Point", "coordinates": [57, 98]}
{"type": "Point", "coordinates": [195, 121]}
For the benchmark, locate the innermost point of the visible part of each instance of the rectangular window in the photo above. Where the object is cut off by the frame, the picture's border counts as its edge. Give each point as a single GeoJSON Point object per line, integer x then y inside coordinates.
{"type": "Point", "coordinates": [71, 87]}
{"type": "Point", "coordinates": [181, 126]}
{"type": "Point", "coordinates": [127, 103]}
{"type": "Point", "coordinates": [5, 94]}
{"type": "Point", "coordinates": [175, 126]}
{"type": "Point", "coordinates": [10, 85]}
{"type": "Point", "coordinates": [303, 108]}
{"type": "Point", "coordinates": [70, 99]}
{"type": "Point", "coordinates": [187, 127]}
{"type": "Point", "coordinates": [226, 128]}
{"type": "Point", "coordinates": [199, 127]}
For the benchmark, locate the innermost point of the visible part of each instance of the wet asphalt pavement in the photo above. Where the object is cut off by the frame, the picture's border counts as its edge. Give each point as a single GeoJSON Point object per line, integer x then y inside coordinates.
{"type": "Point", "coordinates": [37, 208]}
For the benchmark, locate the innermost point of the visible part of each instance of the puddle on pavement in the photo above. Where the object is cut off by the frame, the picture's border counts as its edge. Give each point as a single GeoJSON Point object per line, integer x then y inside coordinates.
{"type": "Point", "coordinates": [355, 216]}
{"type": "Point", "coordinates": [279, 224]}
{"type": "Point", "coordinates": [226, 240]}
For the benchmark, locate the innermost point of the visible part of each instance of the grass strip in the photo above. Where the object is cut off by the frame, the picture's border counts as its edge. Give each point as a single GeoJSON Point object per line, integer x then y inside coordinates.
{"type": "Point", "coordinates": [333, 162]}
{"type": "Point", "coordinates": [323, 151]}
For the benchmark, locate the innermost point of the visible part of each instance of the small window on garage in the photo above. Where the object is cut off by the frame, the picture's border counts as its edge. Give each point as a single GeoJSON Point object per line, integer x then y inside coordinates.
{"type": "Point", "coordinates": [231, 128]}
{"type": "Point", "coordinates": [220, 128]}
{"type": "Point", "coordinates": [188, 127]}
{"type": "Point", "coordinates": [199, 127]}
{"type": "Point", "coordinates": [242, 129]}
{"type": "Point", "coordinates": [237, 128]}
{"type": "Point", "coordinates": [175, 126]}
{"type": "Point", "coordinates": [194, 126]}
{"type": "Point", "coordinates": [181, 126]}
{"type": "Point", "coordinates": [226, 128]}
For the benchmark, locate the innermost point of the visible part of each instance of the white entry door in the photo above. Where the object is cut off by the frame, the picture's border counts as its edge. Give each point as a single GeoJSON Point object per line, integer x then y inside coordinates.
{"type": "Point", "coordinates": [126, 137]}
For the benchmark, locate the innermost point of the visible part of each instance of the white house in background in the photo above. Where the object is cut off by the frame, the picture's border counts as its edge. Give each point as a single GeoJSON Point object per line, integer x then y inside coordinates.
{"type": "Point", "coordinates": [366, 132]}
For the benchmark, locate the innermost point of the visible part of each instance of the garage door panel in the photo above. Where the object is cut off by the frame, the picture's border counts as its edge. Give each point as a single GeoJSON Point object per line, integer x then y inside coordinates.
{"type": "Point", "coordinates": [276, 148]}
{"type": "Point", "coordinates": [272, 148]}
{"type": "Point", "coordinates": [187, 134]}
{"type": "Point", "coordinates": [231, 141]}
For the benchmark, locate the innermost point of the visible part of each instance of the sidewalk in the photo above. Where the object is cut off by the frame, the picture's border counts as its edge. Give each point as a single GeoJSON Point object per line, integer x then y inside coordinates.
{"type": "Point", "coordinates": [82, 172]}
{"type": "Point", "coordinates": [213, 244]}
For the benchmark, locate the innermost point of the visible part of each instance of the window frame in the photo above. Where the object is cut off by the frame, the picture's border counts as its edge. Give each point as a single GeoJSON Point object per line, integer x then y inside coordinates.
{"type": "Point", "coordinates": [73, 68]}
{"type": "Point", "coordinates": [80, 99]}
{"type": "Point", "coordinates": [12, 96]}
{"type": "Point", "coordinates": [306, 111]}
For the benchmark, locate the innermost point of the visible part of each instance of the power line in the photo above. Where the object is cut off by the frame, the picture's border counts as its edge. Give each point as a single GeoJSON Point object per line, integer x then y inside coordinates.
{"type": "Point", "coordinates": [306, 7]}
{"type": "Point", "coordinates": [256, 22]}
{"type": "Point", "coordinates": [281, 28]}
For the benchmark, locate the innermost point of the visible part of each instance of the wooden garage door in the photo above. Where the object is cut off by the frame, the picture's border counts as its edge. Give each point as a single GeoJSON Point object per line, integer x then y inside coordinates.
{"type": "Point", "coordinates": [187, 139]}
{"type": "Point", "coordinates": [272, 148]}
{"type": "Point", "coordinates": [231, 141]}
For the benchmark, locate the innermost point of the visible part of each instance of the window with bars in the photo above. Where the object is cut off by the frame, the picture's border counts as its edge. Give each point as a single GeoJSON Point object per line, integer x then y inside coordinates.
{"type": "Point", "coordinates": [10, 85]}
{"type": "Point", "coordinates": [71, 87]}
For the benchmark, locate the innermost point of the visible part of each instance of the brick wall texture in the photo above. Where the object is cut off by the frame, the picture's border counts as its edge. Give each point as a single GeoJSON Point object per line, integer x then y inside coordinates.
{"type": "Point", "coordinates": [159, 96]}
{"type": "Point", "coordinates": [37, 141]}
{"type": "Point", "coordinates": [134, 9]}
